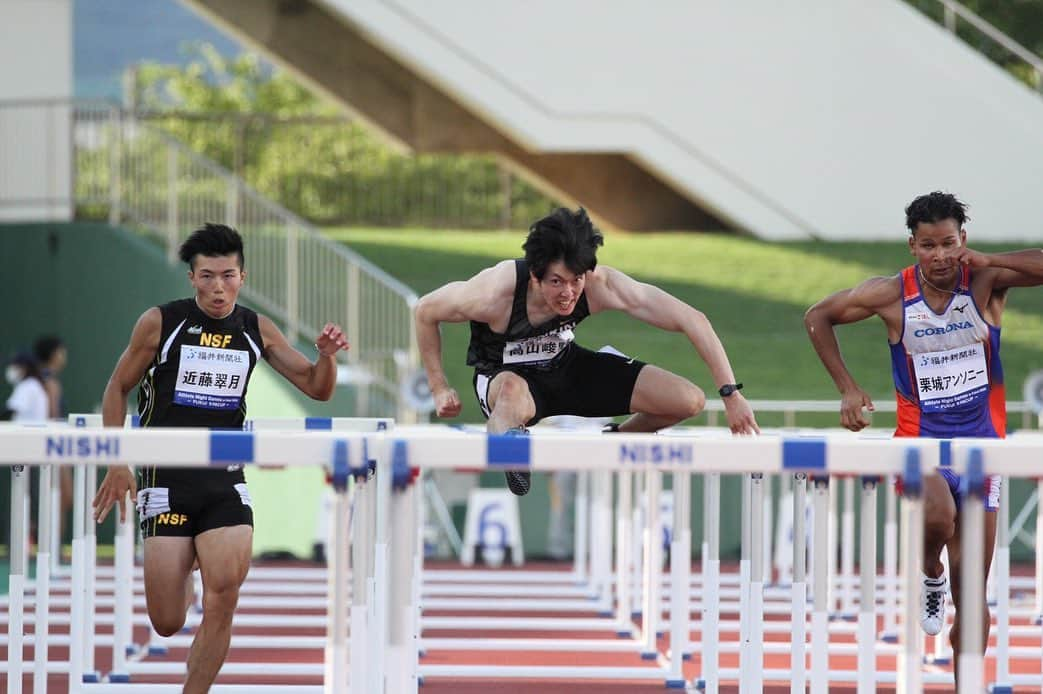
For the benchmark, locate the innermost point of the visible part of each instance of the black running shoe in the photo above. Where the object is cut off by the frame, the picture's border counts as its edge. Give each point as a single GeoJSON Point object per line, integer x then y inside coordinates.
{"type": "Point", "coordinates": [518, 481]}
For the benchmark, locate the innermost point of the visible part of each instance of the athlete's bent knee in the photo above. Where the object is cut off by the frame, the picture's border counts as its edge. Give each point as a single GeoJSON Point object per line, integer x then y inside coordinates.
{"type": "Point", "coordinates": [167, 625]}
{"type": "Point", "coordinates": [220, 602]}
{"type": "Point", "coordinates": [512, 388]}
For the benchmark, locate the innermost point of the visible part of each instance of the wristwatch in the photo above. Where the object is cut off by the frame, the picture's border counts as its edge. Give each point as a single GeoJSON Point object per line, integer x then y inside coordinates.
{"type": "Point", "coordinates": [729, 388]}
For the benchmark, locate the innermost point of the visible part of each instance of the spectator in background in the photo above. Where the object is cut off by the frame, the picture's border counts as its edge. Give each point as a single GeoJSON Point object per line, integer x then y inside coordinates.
{"type": "Point", "coordinates": [52, 356]}
{"type": "Point", "coordinates": [28, 401]}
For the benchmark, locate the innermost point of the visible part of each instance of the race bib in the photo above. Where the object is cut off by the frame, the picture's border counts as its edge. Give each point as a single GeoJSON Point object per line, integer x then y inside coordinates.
{"type": "Point", "coordinates": [534, 350]}
{"type": "Point", "coordinates": [951, 379]}
{"type": "Point", "coordinates": [211, 378]}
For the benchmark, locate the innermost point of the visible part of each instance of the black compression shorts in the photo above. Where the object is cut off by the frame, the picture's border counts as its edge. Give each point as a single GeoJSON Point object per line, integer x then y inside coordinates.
{"type": "Point", "coordinates": [186, 503]}
{"type": "Point", "coordinates": [580, 382]}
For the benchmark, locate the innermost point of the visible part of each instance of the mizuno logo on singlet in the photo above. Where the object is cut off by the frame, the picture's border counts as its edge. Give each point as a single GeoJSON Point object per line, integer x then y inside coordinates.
{"type": "Point", "coordinates": [964, 325]}
{"type": "Point", "coordinates": [959, 308]}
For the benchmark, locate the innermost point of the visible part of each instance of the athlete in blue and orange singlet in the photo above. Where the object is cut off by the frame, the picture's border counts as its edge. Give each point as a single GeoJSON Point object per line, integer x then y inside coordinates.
{"type": "Point", "coordinates": [943, 327]}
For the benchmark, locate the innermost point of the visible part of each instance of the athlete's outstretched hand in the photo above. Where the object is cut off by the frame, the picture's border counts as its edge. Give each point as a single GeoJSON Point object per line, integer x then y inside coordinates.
{"type": "Point", "coordinates": [851, 404]}
{"type": "Point", "coordinates": [119, 479]}
{"type": "Point", "coordinates": [331, 340]}
{"type": "Point", "coordinates": [740, 415]}
{"type": "Point", "coordinates": [447, 402]}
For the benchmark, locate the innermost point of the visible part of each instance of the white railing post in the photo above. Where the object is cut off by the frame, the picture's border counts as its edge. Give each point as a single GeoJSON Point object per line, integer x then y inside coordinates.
{"type": "Point", "coordinates": [115, 179]}
{"type": "Point", "coordinates": [172, 206]}
{"type": "Point", "coordinates": [232, 202]}
{"type": "Point", "coordinates": [292, 287]}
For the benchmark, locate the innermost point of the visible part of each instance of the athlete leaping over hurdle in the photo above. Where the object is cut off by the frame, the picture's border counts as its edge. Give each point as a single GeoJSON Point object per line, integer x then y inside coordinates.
{"type": "Point", "coordinates": [943, 326]}
{"type": "Point", "coordinates": [193, 359]}
{"type": "Point", "coordinates": [523, 315]}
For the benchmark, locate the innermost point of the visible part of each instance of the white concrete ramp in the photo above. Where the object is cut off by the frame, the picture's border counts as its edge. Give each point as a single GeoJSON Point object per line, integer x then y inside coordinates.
{"type": "Point", "coordinates": [822, 118]}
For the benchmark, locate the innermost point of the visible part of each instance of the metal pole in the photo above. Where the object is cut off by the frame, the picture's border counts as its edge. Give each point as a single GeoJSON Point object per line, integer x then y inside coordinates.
{"type": "Point", "coordinates": [799, 588]}
{"type": "Point", "coordinates": [710, 629]}
{"type": "Point", "coordinates": [867, 599]}
{"type": "Point", "coordinates": [820, 589]}
{"type": "Point", "coordinates": [972, 521]}
{"type": "Point", "coordinates": [1001, 568]}
{"type": "Point", "coordinates": [890, 632]}
{"type": "Point", "coordinates": [624, 553]}
{"type": "Point", "coordinates": [680, 578]}
{"type": "Point", "coordinates": [910, 679]}
{"type": "Point", "coordinates": [16, 578]}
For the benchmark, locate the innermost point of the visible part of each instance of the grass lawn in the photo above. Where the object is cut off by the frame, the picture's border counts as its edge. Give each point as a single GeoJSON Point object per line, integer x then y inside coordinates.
{"type": "Point", "coordinates": [755, 293]}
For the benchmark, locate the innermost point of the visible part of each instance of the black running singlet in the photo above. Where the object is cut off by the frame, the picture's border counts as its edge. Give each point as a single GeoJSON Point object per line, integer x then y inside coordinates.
{"type": "Point", "coordinates": [200, 373]}
{"type": "Point", "coordinates": [523, 344]}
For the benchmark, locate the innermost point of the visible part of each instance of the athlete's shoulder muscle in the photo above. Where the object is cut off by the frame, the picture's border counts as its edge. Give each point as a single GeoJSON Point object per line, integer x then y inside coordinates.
{"type": "Point", "coordinates": [480, 298]}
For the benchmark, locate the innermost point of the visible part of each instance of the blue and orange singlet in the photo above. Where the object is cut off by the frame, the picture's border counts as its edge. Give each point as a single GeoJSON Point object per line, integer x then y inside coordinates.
{"type": "Point", "coordinates": [946, 366]}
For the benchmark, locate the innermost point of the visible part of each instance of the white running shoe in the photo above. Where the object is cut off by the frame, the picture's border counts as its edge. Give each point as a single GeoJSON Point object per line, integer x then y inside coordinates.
{"type": "Point", "coordinates": [932, 604]}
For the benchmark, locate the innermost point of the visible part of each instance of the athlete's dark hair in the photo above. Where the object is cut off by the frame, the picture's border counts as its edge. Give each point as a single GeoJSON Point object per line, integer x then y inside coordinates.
{"type": "Point", "coordinates": [935, 207]}
{"type": "Point", "coordinates": [45, 347]}
{"type": "Point", "coordinates": [563, 235]}
{"type": "Point", "coordinates": [212, 240]}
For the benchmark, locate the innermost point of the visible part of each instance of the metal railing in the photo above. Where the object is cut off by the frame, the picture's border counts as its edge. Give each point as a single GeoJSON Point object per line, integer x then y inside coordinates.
{"type": "Point", "coordinates": [136, 176]}
{"type": "Point", "coordinates": [952, 10]}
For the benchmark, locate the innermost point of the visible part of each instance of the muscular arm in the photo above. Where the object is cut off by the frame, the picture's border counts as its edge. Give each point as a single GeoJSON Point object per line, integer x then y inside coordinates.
{"type": "Point", "coordinates": [873, 297]}
{"type": "Point", "coordinates": [314, 380]}
{"type": "Point", "coordinates": [1005, 270]}
{"type": "Point", "coordinates": [479, 299]}
{"type": "Point", "coordinates": [144, 342]}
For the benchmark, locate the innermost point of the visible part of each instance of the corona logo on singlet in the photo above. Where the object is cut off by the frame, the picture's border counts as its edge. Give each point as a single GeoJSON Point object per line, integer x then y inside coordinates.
{"type": "Point", "coordinates": [959, 325]}
{"type": "Point", "coordinates": [171, 519]}
{"type": "Point", "coordinates": [214, 340]}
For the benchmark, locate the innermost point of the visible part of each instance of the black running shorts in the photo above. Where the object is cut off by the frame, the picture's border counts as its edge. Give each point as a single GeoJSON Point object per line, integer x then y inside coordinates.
{"type": "Point", "coordinates": [185, 503]}
{"type": "Point", "coordinates": [580, 382]}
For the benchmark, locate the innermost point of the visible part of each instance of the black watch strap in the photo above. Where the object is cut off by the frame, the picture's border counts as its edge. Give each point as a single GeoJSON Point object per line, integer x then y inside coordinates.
{"type": "Point", "coordinates": [729, 388]}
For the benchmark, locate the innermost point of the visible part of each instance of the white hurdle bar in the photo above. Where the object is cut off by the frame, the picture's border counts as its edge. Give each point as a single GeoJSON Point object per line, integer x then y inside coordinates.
{"type": "Point", "coordinates": [640, 453]}
{"type": "Point", "coordinates": [176, 448]}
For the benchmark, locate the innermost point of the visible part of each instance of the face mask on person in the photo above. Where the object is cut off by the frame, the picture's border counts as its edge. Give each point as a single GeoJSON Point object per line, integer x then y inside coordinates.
{"type": "Point", "coordinates": [13, 374]}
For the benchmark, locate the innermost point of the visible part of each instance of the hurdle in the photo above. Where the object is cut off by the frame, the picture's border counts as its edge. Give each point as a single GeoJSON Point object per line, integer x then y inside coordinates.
{"type": "Point", "coordinates": [184, 447]}
{"type": "Point", "coordinates": [548, 452]}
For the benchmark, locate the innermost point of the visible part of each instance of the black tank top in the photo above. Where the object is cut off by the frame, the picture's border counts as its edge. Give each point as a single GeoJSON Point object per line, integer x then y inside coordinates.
{"type": "Point", "coordinates": [200, 373]}
{"type": "Point", "coordinates": [523, 344]}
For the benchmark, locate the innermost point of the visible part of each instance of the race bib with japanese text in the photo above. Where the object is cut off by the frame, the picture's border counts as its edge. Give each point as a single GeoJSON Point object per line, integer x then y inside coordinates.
{"type": "Point", "coordinates": [210, 378]}
{"type": "Point", "coordinates": [951, 379]}
{"type": "Point", "coordinates": [534, 350]}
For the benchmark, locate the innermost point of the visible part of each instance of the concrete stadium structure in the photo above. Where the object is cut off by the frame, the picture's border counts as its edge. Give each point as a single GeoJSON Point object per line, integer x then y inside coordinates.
{"type": "Point", "coordinates": [785, 122]}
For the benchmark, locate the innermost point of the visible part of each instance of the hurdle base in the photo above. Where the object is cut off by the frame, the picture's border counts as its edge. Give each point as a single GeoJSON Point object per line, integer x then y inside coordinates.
{"type": "Point", "coordinates": [624, 634]}
{"type": "Point", "coordinates": [91, 677]}
{"type": "Point", "coordinates": [157, 650]}
{"type": "Point", "coordinates": [649, 656]}
{"type": "Point", "coordinates": [939, 660]}
{"type": "Point", "coordinates": [605, 613]}
{"type": "Point", "coordinates": [700, 684]}
{"type": "Point", "coordinates": [118, 677]}
{"type": "Point", "coordinates": [996, 688]}
{"type": "Point", "coordinates": [676, 684]}
{"type": "Point", "coordinates": [888, 637]}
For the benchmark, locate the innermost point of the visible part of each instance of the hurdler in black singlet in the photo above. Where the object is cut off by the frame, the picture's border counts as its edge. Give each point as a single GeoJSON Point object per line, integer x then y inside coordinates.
{"type": "Point", "coordinates": [563, 377]}
{"type": "Point", "coordinates": [197, 379]}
